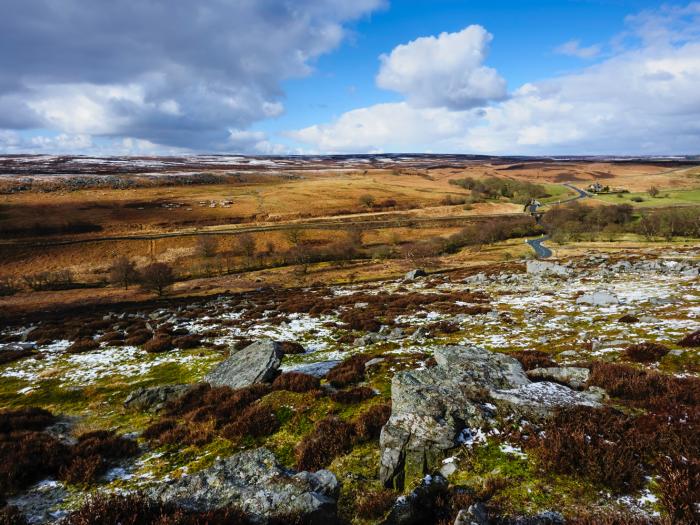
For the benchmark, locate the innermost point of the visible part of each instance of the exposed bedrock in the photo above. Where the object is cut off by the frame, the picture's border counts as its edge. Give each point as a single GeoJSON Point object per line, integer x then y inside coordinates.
{"type": "Point", "coordinates": [468, 388]}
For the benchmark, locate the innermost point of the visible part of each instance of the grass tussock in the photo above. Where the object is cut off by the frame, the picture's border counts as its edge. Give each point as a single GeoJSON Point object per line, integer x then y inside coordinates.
{"type": "Point", "coordinates": [350, 371]}
{"type": "Point", "coordinates": [375, 504]}
{"type": "Point", "coordinates": [85, 344]}
{"type": "Point", "coordinates": [296, 382]}
{"type": "Point", "coordinates": [533, 359]}
{"type": "Point", "coordinates": [204, 412]}
{"type": "Point", "coordinates": [30, 418]}
{"type": "Point", "coordinates": [331, 437]}
{"type": "Point", "coordinates": [352, 395]}
{"type": "Point", "coordinates": [10, 356]}
{"type": "Point", "coordinates": [255, 421]}
{"type": "Point", "coordinates": [159, 344]}
{"type": "Point", "coordinates": [646, 352]}
{"type": "Point", "coordinates": [691, 340]}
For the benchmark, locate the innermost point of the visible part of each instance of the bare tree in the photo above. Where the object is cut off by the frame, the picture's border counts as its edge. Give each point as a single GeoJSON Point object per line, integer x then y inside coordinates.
{"type": "Point", "coordinates": [246, 244]}
{"type": "Point", "coordinates": [653, 191]}
{"type": "Point", "coordinates": [123, 272]}
{"type": "Point", "coordinates": [157, 277]}
{"type": "Point", "coordinates": [294, 236]}
{"type": "Point", "coordinates": [355, 237]}
{"type": "Point", "coordinates": [207, 245]}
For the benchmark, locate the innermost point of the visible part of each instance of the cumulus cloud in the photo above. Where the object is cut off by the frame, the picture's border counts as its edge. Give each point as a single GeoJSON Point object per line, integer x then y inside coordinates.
{"type": "Point", "coordinates": [172, 72]}
{"type": "Point", "coordinates": [573, 48]}
{"type": "Point", "coordinates": [642, 100]}
{"type": "Point", "coordinates": [443, 71]}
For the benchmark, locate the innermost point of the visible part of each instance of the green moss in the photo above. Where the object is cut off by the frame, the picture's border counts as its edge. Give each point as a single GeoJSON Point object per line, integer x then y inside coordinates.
{"type": "Point", "coordinates": [526, 489]}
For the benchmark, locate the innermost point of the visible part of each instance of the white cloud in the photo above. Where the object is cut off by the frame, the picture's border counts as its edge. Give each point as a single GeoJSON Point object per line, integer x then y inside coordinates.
{"type": "Point", "coordinates": [642, 100]}
{"type": "Point", "coordinates": [387, 127]}
{"type": "Point", "coordinates": [172, 72]}
{"type": "Point", "coordinates": [573, 48]}
{"type": "Point", "coordinates": [443, 71]}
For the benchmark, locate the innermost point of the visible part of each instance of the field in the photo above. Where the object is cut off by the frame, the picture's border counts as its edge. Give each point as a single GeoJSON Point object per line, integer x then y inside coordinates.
{"type": "Point", "coordinates": [348, 340]}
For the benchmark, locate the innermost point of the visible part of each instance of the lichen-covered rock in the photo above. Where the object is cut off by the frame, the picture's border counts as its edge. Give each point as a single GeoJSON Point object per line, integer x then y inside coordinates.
{"type": "Point", "coordinates": [255, 481]}
{"type": "Point", "coordinates": [256, 363]}
{"type": "Point", "coordinates": [154, 399]}
{"type": "Point", "coordinates": [540, 400]}
{"type": "Point", "coordinates": [547, 268]}
{"type": "Point", "coordinates": [430, 407]}
{"type": "Point", "coordinates": [573, 376]}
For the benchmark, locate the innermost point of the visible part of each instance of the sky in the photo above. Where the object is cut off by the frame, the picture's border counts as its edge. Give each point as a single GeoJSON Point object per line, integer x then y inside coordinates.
{"type": "Point", "coordinates": [278, 77]}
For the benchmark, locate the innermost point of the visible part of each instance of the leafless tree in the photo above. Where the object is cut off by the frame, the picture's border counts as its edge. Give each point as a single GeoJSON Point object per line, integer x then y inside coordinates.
{"type": "Point", "coordinates": [207, 245]}
{"type": "Point", "coordinates": [246, 245]}
{"type": "Point", "coordinates": [157, 277]}
{"type": "Point", "coordinates": [367, 200]}
{"type": "Point", "coordinates": [123, 272]}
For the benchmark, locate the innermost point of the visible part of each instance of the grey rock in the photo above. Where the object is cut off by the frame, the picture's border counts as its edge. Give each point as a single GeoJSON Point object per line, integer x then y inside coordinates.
{"type": "Point", "coordinates": [573, 376]}
{"type": "Point", "coordinates": [414, 274]}
{"type": "Point", "coordinates": [430, 407]}
{"type": "Point", "coordinates": [566, 354]}
{"type": "Point", "coordinates": [256, 482]}
{"type": "Point", "coordinates": [412, 509]}
{"type": "Point", "coordinates": [369, 339]}
{"type": "Point", "coordinates": [598, 298]}
{"type": "Point", "coordinates": [540, 400]}
{"type": "Point", "coordinates": [154, 399]}
{"type": "Point", "coordinates": [476, 514]}
{"type": "Point", "coordinates": [536, 267]}
{"type": "Point", "coordinates": [375, 361]}
{"type": "Point", "coordinates": [256, 363]}
{"type": "Point", "coordinates": [319, 369]}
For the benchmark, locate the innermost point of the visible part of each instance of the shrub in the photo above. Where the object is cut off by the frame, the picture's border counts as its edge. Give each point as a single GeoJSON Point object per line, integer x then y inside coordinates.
{"type": "Point", "coordinates": [595, 443]}
{"type": "Point", "coordinates": [691, 340]}
{"type": "Point", "coordinates": [375, 504]}
{"type": "Point", "coordinates": [158, 344]}
{"type": "Point", "coordinates": [646, 352]}
{"type": "Point", "coordinates": [12, 516]}
{"type": "Point", "coordinates": [138, 337]}
{"type": "Point", "coordinates": [30, 418]}
{"type": "Point", "coordinates": [10, 356]}
{"type": "Point", "coordinates": [680, 488]}
{"type": "Point", "coordinates": [352, 370]}
{"type": "Point", "coordinates": [92, 454]}
{"type": "Point", "coordinates": [533, 359]}
{"type": "Point", "coordinates": [111, 337]}
{"type": "Point", "coordinates": [255, 421]}
{"type": "Point", "coordinates": [369, 423]}
{"type": "Point", "coordinates": [629, 319]}
{"type": "Point", "coordinates": [35, 455]}
{"type": "Point", "coordinates": [353, 395]}
{"type": "Point", "coordinates": [291, 347]}
{"type": "Point", "coordinates": [296, 382]}
{"type": "Point", "coordinates": [85, 344]}
{"type": "Point", "coordinates": [186, 342]}
{"type": "Point", "coordinates": [330, 438]}
{"type": "Point", "coordinates": [82, 470]}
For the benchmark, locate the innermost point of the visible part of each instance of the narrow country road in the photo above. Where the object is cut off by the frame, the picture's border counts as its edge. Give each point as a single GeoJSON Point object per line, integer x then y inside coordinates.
{"type": "Point", "coordinates": [541, 251]}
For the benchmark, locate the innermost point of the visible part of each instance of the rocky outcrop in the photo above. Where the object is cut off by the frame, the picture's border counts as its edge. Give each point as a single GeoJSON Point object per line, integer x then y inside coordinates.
{"type": "Point", "coordinates": [467, 389]}
{"type": "Point", "coordinates": [255, 481]}
{"type": "Point", "coordinates": [256, 363]}
{"type": "Point", "coordinates": [547, 268]}
{"type": "Point", "coordinates": [154, 399]}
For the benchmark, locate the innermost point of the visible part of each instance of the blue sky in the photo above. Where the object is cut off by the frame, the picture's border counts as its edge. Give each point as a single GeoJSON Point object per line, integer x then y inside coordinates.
{"type": "Point", "coordinates": [271, 76]}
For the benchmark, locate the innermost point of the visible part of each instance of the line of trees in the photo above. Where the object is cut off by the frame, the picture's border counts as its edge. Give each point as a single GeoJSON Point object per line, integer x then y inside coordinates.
{"type": "Point", "coordinates": [577, 221]}
{"type": "Point", "coordinates": [156, 277]}
{"type": "Point", "coordinates": [495, 188]}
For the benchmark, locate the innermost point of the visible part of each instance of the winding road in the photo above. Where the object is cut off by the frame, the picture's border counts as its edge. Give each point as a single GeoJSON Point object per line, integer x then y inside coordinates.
{"type": "Point", "coordinates": [541, 251]}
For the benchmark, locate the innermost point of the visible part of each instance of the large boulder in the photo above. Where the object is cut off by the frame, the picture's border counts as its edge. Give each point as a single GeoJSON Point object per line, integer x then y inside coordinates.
{"type": "Point", "coordinates": [256, 363]}
{"type": "Point", "coordinates": [467, 388]}
{"type": "Point", "coordinates": [255, 481]}
{"type": "Point", "coordinates": [414, 274]}
{"type": "Point", "coordinates": [154, 399]}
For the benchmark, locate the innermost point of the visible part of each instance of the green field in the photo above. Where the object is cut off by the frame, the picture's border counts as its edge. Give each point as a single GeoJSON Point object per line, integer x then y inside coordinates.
{"type": "Point", "coordinates": [557, 192]}
{"type": "Point", "coordinates": [664, 198]}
